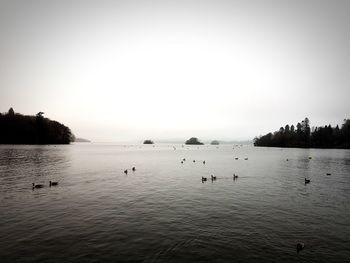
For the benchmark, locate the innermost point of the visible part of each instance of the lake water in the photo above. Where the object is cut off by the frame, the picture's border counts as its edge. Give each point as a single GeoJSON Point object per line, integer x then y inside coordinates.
{"type": "Point", "coordinates": [163, 212]}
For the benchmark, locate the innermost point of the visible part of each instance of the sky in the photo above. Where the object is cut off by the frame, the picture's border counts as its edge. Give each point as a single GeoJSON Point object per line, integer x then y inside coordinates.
{"type": "Point", "coordinates": [134, 70]}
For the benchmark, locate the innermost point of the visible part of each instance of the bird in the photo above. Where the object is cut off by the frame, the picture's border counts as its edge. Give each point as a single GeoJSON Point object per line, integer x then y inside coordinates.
{"type": "Point", "coordinates": [133, 169]}
{"type": "Point", "coordinates": [307, 181]}
{"type": "Point", "coordinates": [182, 161]}
{"type": "Point", "coordinates": [203, 162]}
{"type": "Point", "coordinates": [287, 160]}
{"type": "Point", "coordinates": [245, 158]}
{"type": "Point", "coordinates": [235, 176]}
{"type": "Point", "coordinates": [328, 173]}
{"type": "Point", "coordinates": [310, 157]}
{"type": "Point", "coordinates": [236, 158]}
{"type": "Point", "coordinates": [126, 171]}
{"type": "Point", "coordinates": [300, 246]}
{"type": "Point", "coordinates": [36, 186]}
{"type": "Point", "coordinates": [213, 178]}
{"type": "Point", "coordinates": [53, 183]}
{"type": "Point", "coordinates": [194, 161]}
{"type": "Point", "coordinates": [204, 179]}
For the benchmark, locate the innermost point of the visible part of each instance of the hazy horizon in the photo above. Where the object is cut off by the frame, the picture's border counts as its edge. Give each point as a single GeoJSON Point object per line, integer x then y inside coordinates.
{"type": "Point", "coordinates": [134, 70]}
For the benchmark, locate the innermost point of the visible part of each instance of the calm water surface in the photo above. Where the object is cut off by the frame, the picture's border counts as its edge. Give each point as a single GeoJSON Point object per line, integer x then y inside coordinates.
{"type": "Point", "coordinates": [162, 212]}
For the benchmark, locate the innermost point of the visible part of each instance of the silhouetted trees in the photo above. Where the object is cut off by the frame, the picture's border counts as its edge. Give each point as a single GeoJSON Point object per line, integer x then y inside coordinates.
{"type": "Point", "coordinates": [193, 141]}
{"type": "Point", "coordinates": [319, 137]}
{"type": "Point", "coordinates": [20, 129]}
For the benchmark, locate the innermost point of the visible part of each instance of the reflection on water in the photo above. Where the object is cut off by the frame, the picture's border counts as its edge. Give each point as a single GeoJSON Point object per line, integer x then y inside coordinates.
{"type": "Point", "coordinates": [163, 211]}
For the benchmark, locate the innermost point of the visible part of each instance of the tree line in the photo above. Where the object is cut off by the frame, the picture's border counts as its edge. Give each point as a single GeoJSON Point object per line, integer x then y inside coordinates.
{"type": "Point", "coordinates": [16, 128]}
{"type": "Point", "coordinates": [303, 136]}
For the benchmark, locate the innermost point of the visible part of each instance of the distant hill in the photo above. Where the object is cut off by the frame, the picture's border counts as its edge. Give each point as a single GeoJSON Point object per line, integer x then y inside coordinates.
{"type": "Point", "coordinates": [16, 128]}
{"type": "Point", "coordinates": [81, 140]}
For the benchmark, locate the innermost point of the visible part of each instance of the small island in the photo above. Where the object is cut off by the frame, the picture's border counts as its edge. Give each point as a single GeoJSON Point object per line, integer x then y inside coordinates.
{"type": "Point", "coordinates": [215, 142]}
{"type": "Point", "coordinates": [148, 142]}
{"type": "Point", "coordinates": [305, 137]}
{"type": "Point", "coordinates": [193, 141]}
{"type": "Point", "coordinates": [26, 129]}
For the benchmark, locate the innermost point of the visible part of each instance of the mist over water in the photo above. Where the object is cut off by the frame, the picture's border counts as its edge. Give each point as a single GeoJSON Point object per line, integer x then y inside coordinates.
{"type": "Point", "coordinates": [163, 212]}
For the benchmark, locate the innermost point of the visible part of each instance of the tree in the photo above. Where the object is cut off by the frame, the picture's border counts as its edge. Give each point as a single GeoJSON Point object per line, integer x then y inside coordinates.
{"type": "Point", "coordinates": [320, 137]}
{"type": "Point", "coordinates": [11, 112]}
{"type": "Point", "coordinates": [21, 129]}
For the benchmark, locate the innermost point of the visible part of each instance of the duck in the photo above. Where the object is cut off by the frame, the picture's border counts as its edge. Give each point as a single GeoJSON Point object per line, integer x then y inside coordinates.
{"type": "Point", "coordinates": [182, 162]}
{"type": "Point", "coordinates": [203, 162]}
{"type": "Point", "coordinates": [194, 161]}
{"type": "Point", "coordinates": [133, 169]}
{"type": "Point", "coordinates": [300, 246]}
{"type": "Point", "coordinates": [328, 173]}
{"type": "Point", "coordinates": [235, 176]}
{"type": "Point", "coordinates": [246, 158]}
{"type": "Point", "coordinates": [204, 179]}
{"type": "Point", "coordinates": [36, 186]}
{"type": "Point", "coordinates": [53, 183]}
{"type": "Point", "coordinates": [307, 181]}
{"type": "Point", "coordinates": [310, 157]}
{"type": "Point", "coordinates": [236, 158]}
{"type": "Point", "coordinates": [126, 171]}
{"type": "Point", "coordinates": [287, 160]}
{"type": "Point", "coordinates": [213, 178]}
{"type": "Point", "coordinates": [184, 159]}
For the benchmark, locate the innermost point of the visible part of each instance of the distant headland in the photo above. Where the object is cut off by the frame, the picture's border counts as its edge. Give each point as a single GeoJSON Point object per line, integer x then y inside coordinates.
{"type": "Point", "coordinates": [215, 142]}
{"type": "Point", "coordinates": [193, 141]}
{"type": "Point", "coordinates": [25, 129]}
{"type": "Point", "coordinates": [81, 140]}
{"type": "Point", "coordinates": [302, 136]}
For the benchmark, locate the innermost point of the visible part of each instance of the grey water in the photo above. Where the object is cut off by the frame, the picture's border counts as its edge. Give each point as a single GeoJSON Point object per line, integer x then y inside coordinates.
{"type": "Point", "coordinates": [163, 212]}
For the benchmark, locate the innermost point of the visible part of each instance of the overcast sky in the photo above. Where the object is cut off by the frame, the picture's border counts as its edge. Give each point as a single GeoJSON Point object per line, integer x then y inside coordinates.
{"type": "Point", "coordinates": [133, 70]}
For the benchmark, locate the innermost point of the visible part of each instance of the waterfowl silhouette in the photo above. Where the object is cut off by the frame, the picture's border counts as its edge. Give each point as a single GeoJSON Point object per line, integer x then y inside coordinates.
{"type": "Point", "coordinates": [307, 181]}
{"type": "Point", "coordinates": [328, 173]}
{"type": "Point", "coordinates": [126, 171]}
{"type": "Point", "coordinates": [194, 161]}
{"type": "Point", "coordinates": [246, 159]}
{"type": "Point", "coordinates": [236, 158]}
{"type": "Point", "coordinates": [203, 162]}
{"type": "Point", "coordinates": [235, 176]}
{"type": "Point", "coordinates": [300, 246]}
{"type": "Point", "coordinates": [36, 186]}
{"type": "Point", "coordinates": [53, 183]}
{"type": "Point", "coordinates": [133, 169]}
{"type": "Point", "coordinates": [213, 178]}
{"type": "Point", "coordinates": [182, 161]}
{"type": "Point", "coordinates": [204, 179]}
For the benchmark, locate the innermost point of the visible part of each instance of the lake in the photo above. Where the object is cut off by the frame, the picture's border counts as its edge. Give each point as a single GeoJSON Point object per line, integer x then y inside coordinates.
{"type": "Point", "coordinates": [163, 212]}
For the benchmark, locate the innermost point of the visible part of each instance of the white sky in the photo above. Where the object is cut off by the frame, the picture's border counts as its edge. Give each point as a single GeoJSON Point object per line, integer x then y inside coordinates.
{"type": "Point", "coordinates": [133, 70]}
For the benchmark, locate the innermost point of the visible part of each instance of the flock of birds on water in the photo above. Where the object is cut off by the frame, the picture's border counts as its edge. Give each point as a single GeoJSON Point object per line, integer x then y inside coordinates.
{"type": "Point", "coordinates": [299, 246]}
